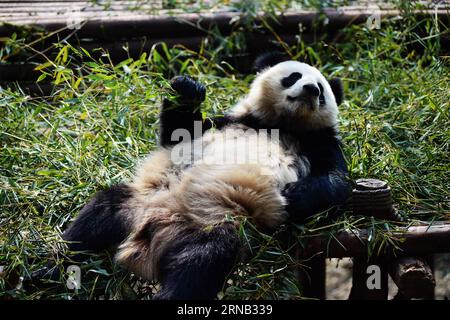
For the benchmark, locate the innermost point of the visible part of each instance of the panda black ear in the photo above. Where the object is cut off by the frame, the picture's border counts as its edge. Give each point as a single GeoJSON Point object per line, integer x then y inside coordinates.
{"type": "Point", "coordinates": [338, 89]}
{"type": "Point", "coordinates": [268, 59]}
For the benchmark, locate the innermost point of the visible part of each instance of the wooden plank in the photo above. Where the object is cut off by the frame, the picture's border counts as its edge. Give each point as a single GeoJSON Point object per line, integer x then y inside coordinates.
{"type": "Point", "coordinates": [16, 8]}
{"type": "Point", "coordinates": [414, 240]}
{"type": "Point", "coordinates": [142, 31]}
{"type": "Point", "coordinates": [31, 88]}
{"type": "Point", "coordinates": [53, 1]}
{"type": "Point", "coordinates": [99, 2]}
{"type": "Point", "coordinates": [61, 8]}
{"type": "Point", "coordinates": [117, 5]}
{"type": "Point", "coordinates": [165, 26]}
{"type": "Point", "coordinates": [40, 19]}
{"type": "Point", "coordinates": [25, 72]}
{"type": "Point", "coordinates": [303, 16]}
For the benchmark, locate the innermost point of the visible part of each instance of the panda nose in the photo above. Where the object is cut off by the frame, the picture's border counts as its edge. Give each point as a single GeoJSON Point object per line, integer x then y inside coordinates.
{"type": "Point", "coordinates": [311, 90]}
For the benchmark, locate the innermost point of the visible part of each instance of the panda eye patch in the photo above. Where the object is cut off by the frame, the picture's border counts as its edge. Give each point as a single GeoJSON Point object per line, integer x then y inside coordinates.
{"type": "Point", "coordinates": [291, 79]}
{"type": "Point", "coordinates": [321, 96]}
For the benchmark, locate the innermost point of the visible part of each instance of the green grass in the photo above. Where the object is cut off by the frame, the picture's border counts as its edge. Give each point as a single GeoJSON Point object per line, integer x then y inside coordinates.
{"type": "Point", "coordinates": [57, 151]}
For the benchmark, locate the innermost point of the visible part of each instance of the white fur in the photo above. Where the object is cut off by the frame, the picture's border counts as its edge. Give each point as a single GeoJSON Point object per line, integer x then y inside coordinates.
{"type": "Point", "coordinates": [269, 99]}
{"type": "Point", "coordinates": [238, 145]}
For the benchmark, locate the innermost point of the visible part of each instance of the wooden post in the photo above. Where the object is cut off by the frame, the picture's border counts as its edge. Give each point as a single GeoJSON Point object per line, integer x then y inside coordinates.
{"type": "Point", "coordinates": [362, 288]}
{"type": "Point", "coordinates": [312, 275]}
{"type": "Point", "coordinates": [317, 278]}
{"type": "Point", "coordinates": [429, 259]}
{"type": "Point", "coordinates": [413, 277]}
{"type": "Point", "coordinates": [372, 197]}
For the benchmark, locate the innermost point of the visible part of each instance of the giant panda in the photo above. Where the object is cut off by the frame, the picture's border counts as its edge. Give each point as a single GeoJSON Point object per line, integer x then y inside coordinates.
{"type": "Point", "coordinates": [176, 222]}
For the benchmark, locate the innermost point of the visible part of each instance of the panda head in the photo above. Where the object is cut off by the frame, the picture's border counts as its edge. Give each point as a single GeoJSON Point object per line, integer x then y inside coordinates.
{"type": "Point", "coordinates": [294, 91]}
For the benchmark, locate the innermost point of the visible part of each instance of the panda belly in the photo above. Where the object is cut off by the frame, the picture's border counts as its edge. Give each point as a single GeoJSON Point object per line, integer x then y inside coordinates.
{"type": "Point", "coordinates": [237, 172]}
{"type": "Point", "coordinates": [173, 200]}
{"type": "Point", "coordinates": [239, 146]}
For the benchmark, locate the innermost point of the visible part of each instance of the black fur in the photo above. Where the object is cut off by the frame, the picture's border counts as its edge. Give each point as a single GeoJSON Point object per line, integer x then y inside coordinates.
{"type": "Point", "coordinates": [196, 266]}
{"type": "Point", "coordinates": [290, 80]}
{"type": "Point", "coordinates": [217, 122]}
{"type": "Point", "coordinates": [327, 185]}
{"type": "Point", "coordinates": [321, 96]}
{"type": "Point", "coordinates": [100, 224]}
{"type": "Point", "coordinates": [338, 89]}
{"type": "Point", "coordinates": [269, 59]}
{"type": "Point", "coordinates": [189, 90]}
{"type": "Point", "coordinates": [184, 111]}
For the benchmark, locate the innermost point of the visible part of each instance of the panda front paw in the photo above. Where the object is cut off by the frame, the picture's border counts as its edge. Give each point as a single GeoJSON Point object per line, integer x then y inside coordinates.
{"type": "Point", "coordinates": [188, 89]}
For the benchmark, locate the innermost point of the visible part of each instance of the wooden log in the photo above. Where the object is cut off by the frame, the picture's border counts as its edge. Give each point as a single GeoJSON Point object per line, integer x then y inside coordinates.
{"type": "Point", "coordinates": [24, 73]}
{"type": "Point", "coordinates": [372, 197]}
{"type": "Point", "coordinates": [429, 260]}
{"type": "Point", "coordinates": [413, 277]}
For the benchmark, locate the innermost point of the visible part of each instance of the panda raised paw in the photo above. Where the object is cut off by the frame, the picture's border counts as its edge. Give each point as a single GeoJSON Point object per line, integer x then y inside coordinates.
{"type": "Point", "coordinates": [188, 89]}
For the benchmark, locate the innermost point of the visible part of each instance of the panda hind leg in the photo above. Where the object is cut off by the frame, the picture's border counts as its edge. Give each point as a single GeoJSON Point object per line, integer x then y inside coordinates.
{"type": "Point", "coordinates": [196, 267]}
{"type": "Point", "coordinates": [100, 225]}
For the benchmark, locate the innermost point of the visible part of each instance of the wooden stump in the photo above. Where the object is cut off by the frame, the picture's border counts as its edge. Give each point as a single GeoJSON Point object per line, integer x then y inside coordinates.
{"type": "Point", "coordinates": [413, 277]}
{"type": "Point", "coordinates": [372, 197]}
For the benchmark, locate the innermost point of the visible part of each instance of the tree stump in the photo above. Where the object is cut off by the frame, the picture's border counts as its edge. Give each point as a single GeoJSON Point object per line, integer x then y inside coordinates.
{"type": "Point", "coordinates": [413, 277]}
{"type": "Point", "coordinates": [372, 197]}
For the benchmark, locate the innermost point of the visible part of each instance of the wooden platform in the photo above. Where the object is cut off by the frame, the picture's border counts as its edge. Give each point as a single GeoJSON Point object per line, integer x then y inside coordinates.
{"type": "Point", "coordinates": [76, 13]}
{"type": "Point", "coordinates": [70, 12]}
{"type": "Point", "coordinates": [139, 25]}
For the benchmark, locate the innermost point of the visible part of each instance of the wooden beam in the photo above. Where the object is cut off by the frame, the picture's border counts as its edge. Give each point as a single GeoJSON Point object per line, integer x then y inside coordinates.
{"type": "Point", "coordinates": [163, 24]}
{"type": "Point", "coordinates": [413, 240]}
